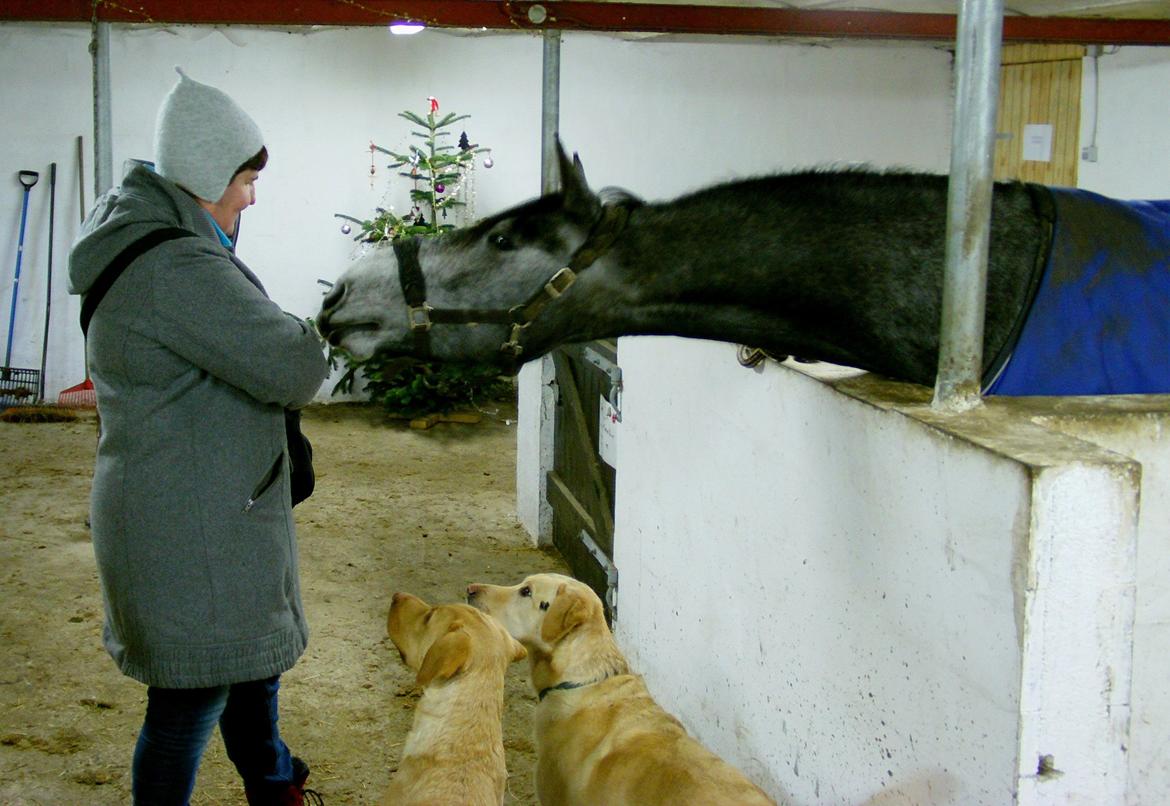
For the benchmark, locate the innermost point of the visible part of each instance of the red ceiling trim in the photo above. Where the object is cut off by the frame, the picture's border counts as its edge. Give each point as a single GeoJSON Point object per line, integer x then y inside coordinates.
{"type": "Point", "coordinates": [588, 16]}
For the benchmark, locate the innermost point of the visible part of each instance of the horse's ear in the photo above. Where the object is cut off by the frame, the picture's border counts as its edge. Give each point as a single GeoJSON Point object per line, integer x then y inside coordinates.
{"type": "Point", "coordinates": [578, 198]}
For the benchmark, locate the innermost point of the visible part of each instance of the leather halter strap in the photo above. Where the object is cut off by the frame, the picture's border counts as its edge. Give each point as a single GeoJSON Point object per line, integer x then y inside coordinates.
{"type": "Point", "coordinates": [422, 316]}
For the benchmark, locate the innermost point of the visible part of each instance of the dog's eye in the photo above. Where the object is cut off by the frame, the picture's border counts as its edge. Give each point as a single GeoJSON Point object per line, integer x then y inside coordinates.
{"type": "Point", "coordinates": [526, 591]}
{"type": "Point", "coordinates": [501, 242]}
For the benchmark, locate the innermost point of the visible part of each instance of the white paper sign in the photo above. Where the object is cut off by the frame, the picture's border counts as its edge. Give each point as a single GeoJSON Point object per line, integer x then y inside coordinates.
{"type": "Point", "coordinates": [1038, 142]}
{"type": "Point", "coordinates": [607, 433]}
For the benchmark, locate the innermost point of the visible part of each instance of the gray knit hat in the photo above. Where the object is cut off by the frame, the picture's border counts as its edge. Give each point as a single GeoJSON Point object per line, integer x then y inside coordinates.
{"type": "Point", "coordinates": [202, 137]}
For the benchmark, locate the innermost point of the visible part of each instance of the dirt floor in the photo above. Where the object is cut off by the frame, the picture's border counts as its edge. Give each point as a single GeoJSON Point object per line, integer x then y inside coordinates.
{"type": "Point", "coordinates": [395, 509]}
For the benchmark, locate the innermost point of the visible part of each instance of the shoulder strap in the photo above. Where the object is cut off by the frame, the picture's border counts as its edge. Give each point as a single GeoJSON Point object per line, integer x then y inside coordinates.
{"type": "Point", "coordinates": [113, 271]}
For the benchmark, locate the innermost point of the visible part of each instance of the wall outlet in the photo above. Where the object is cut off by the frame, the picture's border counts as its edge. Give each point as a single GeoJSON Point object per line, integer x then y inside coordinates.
{"type": "Point", "coordinates": [1089, 153]}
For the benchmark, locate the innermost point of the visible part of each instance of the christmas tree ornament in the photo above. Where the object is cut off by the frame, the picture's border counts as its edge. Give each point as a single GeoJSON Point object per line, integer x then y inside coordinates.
{"type": "Point", "coordinates": [464, 143]}
{"type": "Point", "coordinates": [487, 161]}
{"type": "Point", "coordinates": [440, 187]}
{"type": "Point", "coordinates": [434, 102]}
{"type": "Point", "coordinates": [346, 229]}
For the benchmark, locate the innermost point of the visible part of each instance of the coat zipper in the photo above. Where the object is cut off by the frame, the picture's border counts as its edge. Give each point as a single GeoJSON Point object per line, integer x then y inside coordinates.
{"type": "Point", "coordinates": [266, 482]}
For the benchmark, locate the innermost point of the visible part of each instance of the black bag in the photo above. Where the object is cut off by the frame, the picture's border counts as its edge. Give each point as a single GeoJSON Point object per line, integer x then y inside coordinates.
{"type": "Point", "coordinates": [300, 450]}
{"type": "Point", "coordinates": [300, 458]}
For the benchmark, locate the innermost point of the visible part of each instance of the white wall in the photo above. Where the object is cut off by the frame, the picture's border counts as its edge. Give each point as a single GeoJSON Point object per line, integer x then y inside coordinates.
{"type": "Point", "coordinates": [658, 118]}
{"type": "Point", "coordinates": [1132, 91]}
{"type": "Point", "coordinates": [320, 97]}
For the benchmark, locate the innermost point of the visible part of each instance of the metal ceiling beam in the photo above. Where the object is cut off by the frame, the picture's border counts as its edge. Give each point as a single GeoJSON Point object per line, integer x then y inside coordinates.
{"type": "Point", "coordinates": [590, 16]}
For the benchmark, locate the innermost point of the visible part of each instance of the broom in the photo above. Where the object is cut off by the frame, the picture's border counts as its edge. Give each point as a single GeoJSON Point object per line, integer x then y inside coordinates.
{"type": "Point", "coordinates": [82, 395]}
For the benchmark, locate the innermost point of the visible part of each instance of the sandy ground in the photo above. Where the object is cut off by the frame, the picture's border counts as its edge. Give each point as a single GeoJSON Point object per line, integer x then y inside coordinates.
{"type": "Point", "coordinates": [395, 509]}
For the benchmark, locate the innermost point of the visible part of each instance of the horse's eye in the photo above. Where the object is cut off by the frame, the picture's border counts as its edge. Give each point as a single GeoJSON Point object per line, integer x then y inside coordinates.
{"type": "Point", "coordinates": [526, 591]}
{"type": "Point", "coordinates": [501, 242]}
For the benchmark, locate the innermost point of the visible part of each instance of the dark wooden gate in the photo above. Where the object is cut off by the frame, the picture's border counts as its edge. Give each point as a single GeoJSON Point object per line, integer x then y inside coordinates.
{"type": "Point", "coordinates": [581, 484]}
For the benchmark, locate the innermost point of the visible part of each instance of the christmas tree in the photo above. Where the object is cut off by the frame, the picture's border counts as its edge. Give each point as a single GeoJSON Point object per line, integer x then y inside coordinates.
{"type": "Point", "coordinates": [440, 175]}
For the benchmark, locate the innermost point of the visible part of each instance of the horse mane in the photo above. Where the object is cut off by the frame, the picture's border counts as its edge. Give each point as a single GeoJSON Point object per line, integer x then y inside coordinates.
{"type": "Point", "coordinates": [549, 203]}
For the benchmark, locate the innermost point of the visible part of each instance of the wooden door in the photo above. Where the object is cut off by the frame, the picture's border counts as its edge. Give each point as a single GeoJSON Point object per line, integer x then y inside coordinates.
{"type": "Point", "coordinates": [581, 483]}
{"type": "Point", "coordinates": [1038, 131]}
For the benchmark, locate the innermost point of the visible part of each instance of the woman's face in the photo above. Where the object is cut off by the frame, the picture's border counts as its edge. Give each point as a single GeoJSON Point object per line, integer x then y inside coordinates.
{"type": "Point", "coordinates": [240, 195]}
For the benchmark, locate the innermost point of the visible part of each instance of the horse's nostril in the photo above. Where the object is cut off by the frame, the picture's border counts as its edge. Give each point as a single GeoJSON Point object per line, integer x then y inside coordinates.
{"type": "Point", "coordinates": [334, 297]}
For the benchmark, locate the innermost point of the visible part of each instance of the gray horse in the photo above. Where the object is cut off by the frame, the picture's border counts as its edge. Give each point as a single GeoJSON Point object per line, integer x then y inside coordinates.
{"type": "Point", "coordinates": [836, 266]}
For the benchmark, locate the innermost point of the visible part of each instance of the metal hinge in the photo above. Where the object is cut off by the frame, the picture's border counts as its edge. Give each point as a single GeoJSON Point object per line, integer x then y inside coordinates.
{"type": "Point", "coordinates": [613, 372]}
{"type": "Point", "coordinates": [611, 572]}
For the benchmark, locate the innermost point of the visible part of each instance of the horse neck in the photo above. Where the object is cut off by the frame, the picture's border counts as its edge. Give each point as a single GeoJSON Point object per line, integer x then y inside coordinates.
{"type": "Point", "coordinates": [790, 274]}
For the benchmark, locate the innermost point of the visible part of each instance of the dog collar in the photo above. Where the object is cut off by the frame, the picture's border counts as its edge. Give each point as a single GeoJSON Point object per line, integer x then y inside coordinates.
{"type": "Point", "coordinates": [568, 684]}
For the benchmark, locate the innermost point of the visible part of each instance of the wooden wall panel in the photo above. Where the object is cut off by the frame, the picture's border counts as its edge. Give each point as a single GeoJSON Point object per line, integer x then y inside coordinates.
{"type": "Point", "coordinates": [1039, 85]}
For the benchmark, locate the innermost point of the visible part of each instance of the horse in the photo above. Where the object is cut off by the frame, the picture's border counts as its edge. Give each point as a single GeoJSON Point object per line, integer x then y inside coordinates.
{"type": "Point", "coordinates": [843, 266]}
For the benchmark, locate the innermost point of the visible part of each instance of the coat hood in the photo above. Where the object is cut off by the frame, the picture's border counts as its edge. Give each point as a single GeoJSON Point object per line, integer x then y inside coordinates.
{"type": "Point", "coordinates": [144, 202]}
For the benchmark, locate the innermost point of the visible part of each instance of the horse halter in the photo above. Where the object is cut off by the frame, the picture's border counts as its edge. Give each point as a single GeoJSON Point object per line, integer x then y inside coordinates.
{"type": "Point", "coordinates": [422, 316]}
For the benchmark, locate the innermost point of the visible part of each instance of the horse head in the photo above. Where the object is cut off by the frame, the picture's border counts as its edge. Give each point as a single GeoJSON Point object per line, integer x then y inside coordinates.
{"type": "Point", "coordinates": [490, 291]}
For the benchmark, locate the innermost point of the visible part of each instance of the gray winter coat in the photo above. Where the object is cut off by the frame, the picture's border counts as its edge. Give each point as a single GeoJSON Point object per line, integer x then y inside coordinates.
{"type": "Point", "coordinates": [193, 367]}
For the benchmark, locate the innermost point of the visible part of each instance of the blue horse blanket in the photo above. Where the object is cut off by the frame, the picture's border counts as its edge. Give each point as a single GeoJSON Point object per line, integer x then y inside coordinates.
{"type": "Point", "coordinates": [1100, 320]}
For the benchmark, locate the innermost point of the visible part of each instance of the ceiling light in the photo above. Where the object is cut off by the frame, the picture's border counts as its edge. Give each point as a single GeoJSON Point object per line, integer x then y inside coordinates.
{"type": "Point", "coordinates": [406, 28]}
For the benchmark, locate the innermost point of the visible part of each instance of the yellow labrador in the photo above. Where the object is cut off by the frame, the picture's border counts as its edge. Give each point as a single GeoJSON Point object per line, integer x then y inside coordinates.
{"type": "Point", "coordinates": [600, 737]}
{"type": "Point", "coordinates": [454, 753]}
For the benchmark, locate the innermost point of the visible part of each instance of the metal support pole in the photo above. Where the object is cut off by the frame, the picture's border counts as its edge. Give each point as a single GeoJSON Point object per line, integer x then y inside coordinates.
{"type": "Point", "coordinates": [960, 360]}
{"type": "Point", "coordinates": [103, 154]}
{"type": "Point", "coordinates": [536, 431]}
{"type": "Point", "coordinates": [550, 111]}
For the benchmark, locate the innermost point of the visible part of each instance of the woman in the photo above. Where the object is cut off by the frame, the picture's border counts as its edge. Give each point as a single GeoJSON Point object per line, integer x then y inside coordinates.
{"type": "Point", "coordinates": [190, 510]}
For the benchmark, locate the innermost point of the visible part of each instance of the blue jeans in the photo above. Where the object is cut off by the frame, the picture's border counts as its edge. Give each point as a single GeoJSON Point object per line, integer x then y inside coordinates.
{"type": "Point", "coordinates": [178, 726]}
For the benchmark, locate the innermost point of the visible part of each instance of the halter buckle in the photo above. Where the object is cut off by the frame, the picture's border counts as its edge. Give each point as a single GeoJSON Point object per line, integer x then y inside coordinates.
{"type": "Point", "coordinates": [512, 345]}
{"type": "Point", "coordinates": [419, 317]}
{"type": "Point", "coordinates": [559, 283]}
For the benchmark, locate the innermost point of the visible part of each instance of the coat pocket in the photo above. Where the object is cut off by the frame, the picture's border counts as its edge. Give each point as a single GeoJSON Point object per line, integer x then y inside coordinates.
{"type": "Point", "coordinates": [265, 483]}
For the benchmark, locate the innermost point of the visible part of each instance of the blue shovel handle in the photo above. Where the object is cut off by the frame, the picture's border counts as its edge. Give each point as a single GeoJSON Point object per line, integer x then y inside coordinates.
{"type": "Point", "coordinates": [27, 180]}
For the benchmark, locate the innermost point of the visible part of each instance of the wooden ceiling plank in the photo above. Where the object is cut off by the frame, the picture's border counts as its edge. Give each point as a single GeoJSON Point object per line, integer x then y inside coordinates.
{"type": "Point", "coordinates": [592, 16]}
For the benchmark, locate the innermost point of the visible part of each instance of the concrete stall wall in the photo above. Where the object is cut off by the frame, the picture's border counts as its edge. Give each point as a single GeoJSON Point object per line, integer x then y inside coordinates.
{"type": "Point", "coordinates": [1138, 428]}
{"type": "Point", "coordinates": [860, 602]}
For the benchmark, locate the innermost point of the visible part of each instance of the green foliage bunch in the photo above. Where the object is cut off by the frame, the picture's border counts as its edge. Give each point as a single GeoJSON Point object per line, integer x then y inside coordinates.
{"type": "Point", "coordinates": [437, 171]}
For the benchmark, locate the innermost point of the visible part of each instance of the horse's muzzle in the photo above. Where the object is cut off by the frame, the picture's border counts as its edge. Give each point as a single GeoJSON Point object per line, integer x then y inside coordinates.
{"type": "Point", "coordinates": [329, 307]}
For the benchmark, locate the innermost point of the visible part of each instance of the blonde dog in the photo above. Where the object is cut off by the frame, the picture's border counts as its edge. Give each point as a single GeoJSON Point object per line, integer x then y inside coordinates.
{"type": "Point", "coordinates": [600, 737]}
{"type": "Point", "coordinates": [454, 753]}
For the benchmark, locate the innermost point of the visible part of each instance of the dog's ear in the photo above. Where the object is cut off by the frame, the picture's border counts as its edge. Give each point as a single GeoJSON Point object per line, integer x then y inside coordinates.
{"type": "Point", "coordinates": [568, 610]}
{"type": "Point", "coordinates": [517, 649]}
{"type": "Point", "coordinates": [446, 656]}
